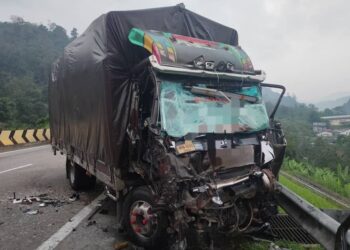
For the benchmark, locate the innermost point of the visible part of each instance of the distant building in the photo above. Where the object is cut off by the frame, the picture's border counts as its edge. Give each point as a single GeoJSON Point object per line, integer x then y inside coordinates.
{"type": "Point", "coordinates": [325, 134]}
{"type": "Point", "coordinates": [337, 120]}
{"type": "Point", "coordinates": [319, 127]}
{"type": "Point", "coordinates": [345, 132]}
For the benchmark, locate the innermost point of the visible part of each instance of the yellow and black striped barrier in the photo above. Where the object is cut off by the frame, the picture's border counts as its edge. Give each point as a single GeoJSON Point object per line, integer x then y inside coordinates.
{"type": "Point", "coordinates": [14, 137]}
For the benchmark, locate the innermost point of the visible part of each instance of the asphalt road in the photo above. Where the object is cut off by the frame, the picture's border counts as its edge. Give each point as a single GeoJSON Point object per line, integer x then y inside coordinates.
{"type": "Point", "coordinates": [32, 172]}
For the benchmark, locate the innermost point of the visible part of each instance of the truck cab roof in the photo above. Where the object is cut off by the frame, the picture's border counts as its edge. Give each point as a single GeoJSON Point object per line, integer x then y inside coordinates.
{"type": "Point", "coordinates": [172, 53]}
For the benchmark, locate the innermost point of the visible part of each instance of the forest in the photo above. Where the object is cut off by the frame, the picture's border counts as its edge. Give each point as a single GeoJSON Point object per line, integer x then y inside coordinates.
{"type": "Point", "coordinates": [323, 161]}
{"type": "Point", "coordinates": [27, 52]}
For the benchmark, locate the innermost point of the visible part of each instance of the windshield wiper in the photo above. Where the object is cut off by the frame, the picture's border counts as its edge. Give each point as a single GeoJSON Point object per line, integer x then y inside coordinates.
{"type": "Point", "coordinates": [227, 95]}
{"type": "Point", "coordinates": [209, 92]}
{"type": "Point", "coordinates": [241, 97]}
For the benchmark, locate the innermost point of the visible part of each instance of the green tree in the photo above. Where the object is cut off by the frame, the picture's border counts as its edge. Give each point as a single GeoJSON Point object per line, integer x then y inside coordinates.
{"type": "Point", "coordinates": [74, 33]}
{"type": "Point", "coordinates": [27, 52]}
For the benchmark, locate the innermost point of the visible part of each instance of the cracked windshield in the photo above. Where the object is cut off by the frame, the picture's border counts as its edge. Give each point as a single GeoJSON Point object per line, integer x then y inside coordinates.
{"type": "Point", "coordinates": [189, 110]}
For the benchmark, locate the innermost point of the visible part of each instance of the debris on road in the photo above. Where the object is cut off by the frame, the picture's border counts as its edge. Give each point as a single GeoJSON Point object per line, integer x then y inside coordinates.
{"type": "Point", "coordinates": [32, 212]}
{"type": "Point", "coordinates": [121, 245]}
{"type": "Point", "coordinates": [42, 198]}
{"type": "Point", "coordinates": [16, 201]}
{"type": "Point", "coordinates": [91, 222]}
{"type": "Point", "coordinates": [26, 200]}
{"type": "Point", "coordinates": [74, 197]}
{"type": "Point", "coordinates": [25, 210]}
{"type": "Point", "coordinates": [53, 202]}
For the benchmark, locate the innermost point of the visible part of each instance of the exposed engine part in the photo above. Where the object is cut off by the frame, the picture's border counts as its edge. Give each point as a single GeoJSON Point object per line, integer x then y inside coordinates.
{"type": "Point", "coordinates": [229, 182]}
{"type": "Point", "coordinates": [245, 216]}
{"type": "Point", "coordinates": [232, 217]}
{"type": "Point", "coordinates": [110, 195]}
{"type": "Point", "coordinates": [265, 175]}
{"type": "Point", "coordinates": [269, 180]}
{"type": "Point", "coordinates": [217, 200]}
{"type": "Point", "coordinates": [200, 189]}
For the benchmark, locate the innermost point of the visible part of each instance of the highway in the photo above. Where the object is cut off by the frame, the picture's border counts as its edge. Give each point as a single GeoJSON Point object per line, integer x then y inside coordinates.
{"type": "Point", "coordinates": [32, 172]}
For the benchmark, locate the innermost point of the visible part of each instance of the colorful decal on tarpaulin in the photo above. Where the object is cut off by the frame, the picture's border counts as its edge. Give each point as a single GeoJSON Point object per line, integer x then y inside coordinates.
{"type": "Point", "coordinates": [164, 47]}
{"type": "Point", "coordinates": [161, 49]}
{"type": "Point", "coordinates": [154, 40]}
{"type": "Point", "coordinates": [171, 54]}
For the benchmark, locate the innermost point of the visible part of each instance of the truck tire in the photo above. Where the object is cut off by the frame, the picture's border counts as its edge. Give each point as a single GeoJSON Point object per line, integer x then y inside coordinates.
{"type": "Point", "coordinates": [78, 179]}
{"type": "Point", "coordinates": [145, 228]}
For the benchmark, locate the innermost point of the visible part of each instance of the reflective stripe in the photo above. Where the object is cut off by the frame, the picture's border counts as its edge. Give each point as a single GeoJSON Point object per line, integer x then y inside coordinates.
{"type": "Point", "coordinates": [5, 137]}
{"type": "Point", "coordinates": [30, 135]}
{"type": "Point", "coordinates": [18, 137]}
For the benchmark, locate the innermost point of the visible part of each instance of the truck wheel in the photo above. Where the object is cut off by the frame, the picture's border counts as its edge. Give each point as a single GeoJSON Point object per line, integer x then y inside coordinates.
{"type": "Point", "coordinates": [145, 228]}
{"type": "Point", "coordinates": [78, 179]}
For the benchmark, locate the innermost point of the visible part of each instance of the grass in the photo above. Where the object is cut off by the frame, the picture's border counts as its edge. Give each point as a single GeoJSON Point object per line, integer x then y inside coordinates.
{"type": "Point", "coordinates": [312, 197]}
{"type": "Point", "coordinates": [337, 180]}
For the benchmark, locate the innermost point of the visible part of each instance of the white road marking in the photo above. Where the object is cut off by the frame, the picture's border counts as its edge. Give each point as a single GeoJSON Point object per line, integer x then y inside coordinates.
{"type": "Point", "coordinates": [12, 169]}
{"type": "Point", "coordinates": [67, 228]}
{"type": "Point", "coordinates": [23, 149]}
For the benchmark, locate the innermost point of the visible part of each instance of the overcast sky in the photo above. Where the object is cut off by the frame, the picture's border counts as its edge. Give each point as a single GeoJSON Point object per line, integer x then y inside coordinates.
{"type": "Point", "coordinates": [303, 44]}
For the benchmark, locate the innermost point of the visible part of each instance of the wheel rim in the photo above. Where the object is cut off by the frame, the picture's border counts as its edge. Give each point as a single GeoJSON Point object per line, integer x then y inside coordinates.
{"type": "Point", "coordinates": [72, 174]}
{"type": "Point", "coordinates": [143, 222]}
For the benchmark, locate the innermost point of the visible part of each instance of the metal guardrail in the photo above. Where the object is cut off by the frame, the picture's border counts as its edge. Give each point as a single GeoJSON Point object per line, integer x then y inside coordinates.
{"type": "Point", "coordinates": [14, 137]}
{"type": "Point", "coordinates": [327, 231]}
{"type": "Point", "coordinates": [284, 227]}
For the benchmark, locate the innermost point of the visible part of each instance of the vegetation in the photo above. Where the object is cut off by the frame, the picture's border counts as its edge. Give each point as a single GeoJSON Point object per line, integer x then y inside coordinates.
{"type": "Point", "coordinates": [27, 52]}
{"type": "Point", "coordinates": [322, 160]}
{"type": "Point", "coordinates": [312, 197]}
{"type": "Point", "coordinates": [337, 181]}
{"type": "Point", "coordinates": [303, 145]}
{"type": "Point", "coordinates": [340, 110]}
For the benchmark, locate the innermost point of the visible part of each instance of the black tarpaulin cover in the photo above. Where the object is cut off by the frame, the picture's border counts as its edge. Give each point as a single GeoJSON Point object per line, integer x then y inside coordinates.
{"type": "Point", "coordinates": [90, 90]}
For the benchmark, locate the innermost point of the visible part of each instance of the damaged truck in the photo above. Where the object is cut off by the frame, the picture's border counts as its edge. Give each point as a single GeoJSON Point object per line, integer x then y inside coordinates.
{"type": "Point", "coordinates": [166, 110]}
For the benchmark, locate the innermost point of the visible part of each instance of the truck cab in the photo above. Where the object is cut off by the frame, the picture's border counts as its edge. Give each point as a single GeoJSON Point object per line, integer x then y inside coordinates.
{"type": "Point", "coordinates": [203, 151]}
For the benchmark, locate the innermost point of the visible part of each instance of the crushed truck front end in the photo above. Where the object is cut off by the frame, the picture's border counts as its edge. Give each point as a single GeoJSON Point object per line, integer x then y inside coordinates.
{"type": "Point", "coordinates": [211, 152]}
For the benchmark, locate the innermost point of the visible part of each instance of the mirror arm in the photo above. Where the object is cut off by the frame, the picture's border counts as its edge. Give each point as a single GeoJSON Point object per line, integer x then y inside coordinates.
{"type": "Point", "coordinates": [276, 86]}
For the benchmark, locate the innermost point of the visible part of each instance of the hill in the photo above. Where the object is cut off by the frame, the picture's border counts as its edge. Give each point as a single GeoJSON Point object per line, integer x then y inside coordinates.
{"type": "Point", "coordinates": [271, 96]}
{"type": "Point", "coordinates": [332, 103]}
{"type": "Point", "coordinates": [27, 52]}
{"type": "Point", "coordinates": [343, 109]}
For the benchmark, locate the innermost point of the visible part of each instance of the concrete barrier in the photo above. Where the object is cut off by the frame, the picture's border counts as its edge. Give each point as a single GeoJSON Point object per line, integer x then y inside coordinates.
{"type": "Point", "coordinates": [14, 137]}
